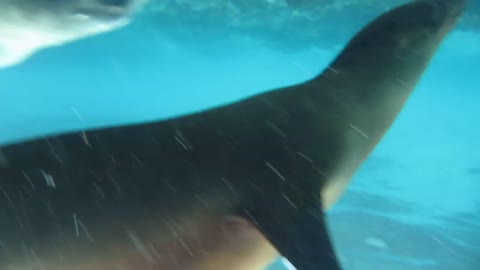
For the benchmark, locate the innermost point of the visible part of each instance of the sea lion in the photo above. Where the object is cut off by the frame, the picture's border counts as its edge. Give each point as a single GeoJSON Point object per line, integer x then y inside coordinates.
{"type": "Point", "coordinates": [27, 26]}
{"type": "Point", "coordinates": [135, 196]}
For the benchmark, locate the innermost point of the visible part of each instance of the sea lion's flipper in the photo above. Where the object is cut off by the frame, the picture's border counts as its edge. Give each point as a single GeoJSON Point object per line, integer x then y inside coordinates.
{"type": "Point", "coordinates": [299, 234]}
{"type": "Point", "coordinates": [364, 88]}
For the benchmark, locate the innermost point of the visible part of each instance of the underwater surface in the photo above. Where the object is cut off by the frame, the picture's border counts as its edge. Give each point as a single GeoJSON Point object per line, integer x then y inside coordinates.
{"type": "Point", "coordinates": [414, 204]}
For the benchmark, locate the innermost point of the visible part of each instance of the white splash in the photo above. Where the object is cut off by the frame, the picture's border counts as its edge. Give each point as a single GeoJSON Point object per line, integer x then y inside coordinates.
{"type": "Point", "coordinates": [24, 32]}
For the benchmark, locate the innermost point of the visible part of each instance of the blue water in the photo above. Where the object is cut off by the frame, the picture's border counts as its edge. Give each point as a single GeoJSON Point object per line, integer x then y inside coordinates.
{"type": "Point", "coordinates": [413, 205]}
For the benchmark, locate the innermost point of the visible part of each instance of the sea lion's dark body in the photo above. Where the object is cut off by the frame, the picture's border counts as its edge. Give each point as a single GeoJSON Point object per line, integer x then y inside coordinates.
{"type": "Point", "coordinates": [276, 159]}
